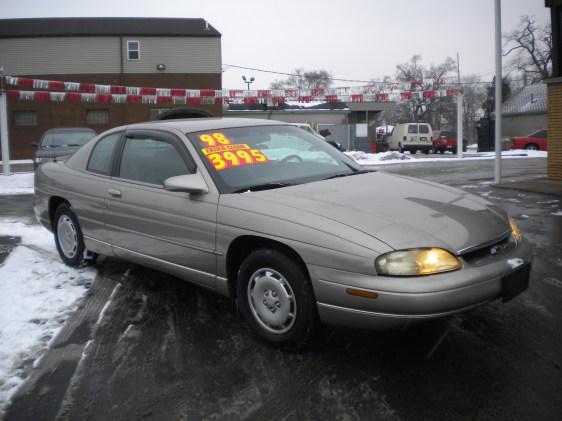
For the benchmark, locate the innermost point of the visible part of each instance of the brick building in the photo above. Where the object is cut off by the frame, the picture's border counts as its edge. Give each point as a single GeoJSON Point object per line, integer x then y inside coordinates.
{"type": "Point", "coordinates": [143, 52]}
{"type": "Point", "coordinates": [554, 104]}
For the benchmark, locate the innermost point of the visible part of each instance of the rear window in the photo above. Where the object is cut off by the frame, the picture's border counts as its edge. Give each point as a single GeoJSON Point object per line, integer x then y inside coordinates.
{"type": "Point", "coordinates": [424, 128]}
{"type": "Point", "coordinates": [102, 155]}
{"type": "Point", "coordinates": [412, 128]}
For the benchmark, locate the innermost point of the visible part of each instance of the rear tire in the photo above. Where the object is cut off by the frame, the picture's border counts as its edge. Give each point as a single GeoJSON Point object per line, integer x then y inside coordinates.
{"type": "Point", "coordinates": [275, 298]}
{"type": "Point", "coordinates": [531, 147]}
{"type": "Point", "coordinates": [68, 237]}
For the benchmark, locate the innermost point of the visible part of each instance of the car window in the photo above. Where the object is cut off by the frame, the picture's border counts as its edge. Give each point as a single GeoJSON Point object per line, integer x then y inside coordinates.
{"type": "Point", "coordinates": [541, 134]}
{"type": "Point", "coordinates": [66, 138]}
{"type": "Point", "coordinates": [424, 128]}
{"type": "Point", "coordinates": [249, 156]}
{"type": "Point", "coordinates": [151, 161]}
{"type": "Point", "coordinates": [102, 154]}
{"type": "Point", "coordinates": [413, 128]}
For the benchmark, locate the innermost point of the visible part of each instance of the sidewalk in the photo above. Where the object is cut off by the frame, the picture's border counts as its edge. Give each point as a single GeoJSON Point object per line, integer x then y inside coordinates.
{"type": "Point", "coordinates": [541, 185]}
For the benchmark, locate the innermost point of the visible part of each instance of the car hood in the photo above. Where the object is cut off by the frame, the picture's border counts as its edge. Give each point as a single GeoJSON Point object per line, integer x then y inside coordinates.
{"type": "Point", "coordinates": [56, 152]}
{"type": "Point", "coordinates": [400, 211]}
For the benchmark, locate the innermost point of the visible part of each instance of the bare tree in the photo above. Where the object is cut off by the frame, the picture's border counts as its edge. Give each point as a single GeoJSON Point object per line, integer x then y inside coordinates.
{"type": "Point", "coordinates": [530, 47]}
{"type": "Point", "coordinates": [474, 96]}
{"type": "Point", "coordinates": [435, 111]}
{"type": "Point", "coordinates": [301, 79]}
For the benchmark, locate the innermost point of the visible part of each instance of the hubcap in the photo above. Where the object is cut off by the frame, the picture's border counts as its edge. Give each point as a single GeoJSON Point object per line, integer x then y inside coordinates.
{"type": "Point", "coordinates": [67, 235]}
{"type": "Point", "coordinates": [272, 300]}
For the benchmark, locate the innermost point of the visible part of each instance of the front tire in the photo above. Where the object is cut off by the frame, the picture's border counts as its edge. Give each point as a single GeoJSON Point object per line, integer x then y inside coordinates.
{"type": "Point", "coordinates": [276, 299]}
{"type": "Point", "coordinates": [68, 237]}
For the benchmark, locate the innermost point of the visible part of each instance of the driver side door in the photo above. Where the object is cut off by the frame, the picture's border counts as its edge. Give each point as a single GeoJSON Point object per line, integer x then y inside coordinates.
{"type": "Point", "coordinates": [172, 231]}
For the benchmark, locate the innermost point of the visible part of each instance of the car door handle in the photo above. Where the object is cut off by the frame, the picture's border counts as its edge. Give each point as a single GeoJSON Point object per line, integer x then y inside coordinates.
{"type": "Point", "coordinates": [114, 193]}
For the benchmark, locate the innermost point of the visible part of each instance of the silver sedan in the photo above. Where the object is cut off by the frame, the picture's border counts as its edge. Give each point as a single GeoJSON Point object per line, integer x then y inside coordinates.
{"type": "Point", "coordinates": [292, 229]}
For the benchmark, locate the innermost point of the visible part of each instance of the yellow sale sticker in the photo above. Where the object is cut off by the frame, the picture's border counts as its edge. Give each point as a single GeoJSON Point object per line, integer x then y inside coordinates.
{"type": "Point", "coordinates": [224, 148]}
{"type": "Point", "coordinates": [230, 159]}
{"type": "Point", "coordinates": [223, 154]}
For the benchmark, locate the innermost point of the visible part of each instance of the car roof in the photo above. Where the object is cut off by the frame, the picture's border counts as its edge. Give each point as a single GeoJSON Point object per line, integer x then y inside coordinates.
{"type": "Point", "coordinates": [189, 125]}
{"type": "Point", "coordinates": [70, 129]}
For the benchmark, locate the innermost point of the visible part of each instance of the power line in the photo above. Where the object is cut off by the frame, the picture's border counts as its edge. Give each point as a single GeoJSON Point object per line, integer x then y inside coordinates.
{"type": "Point", "coordinates": [386, 82]}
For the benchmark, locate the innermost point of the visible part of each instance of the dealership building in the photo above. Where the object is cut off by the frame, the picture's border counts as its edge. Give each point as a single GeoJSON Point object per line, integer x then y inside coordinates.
{"type": "Point", "coordinates": [135, 52]}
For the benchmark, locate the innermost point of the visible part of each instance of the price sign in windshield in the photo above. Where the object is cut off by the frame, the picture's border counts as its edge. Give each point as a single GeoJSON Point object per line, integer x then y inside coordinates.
{"type": "Point", "coordinates": [223, 154]}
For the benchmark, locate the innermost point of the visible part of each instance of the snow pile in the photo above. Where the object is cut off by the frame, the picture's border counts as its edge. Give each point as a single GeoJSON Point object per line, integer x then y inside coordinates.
{"type": "Point", "coordinates": [377, 158]}
{"type": "Point", "coordinates": [557, 213]}
{"type": "Point", "coordinates": [37, 294]}
{"type": "Point", "coordinates": [16, 184]}
{"type": "Point", "coordinates": [394, 157]}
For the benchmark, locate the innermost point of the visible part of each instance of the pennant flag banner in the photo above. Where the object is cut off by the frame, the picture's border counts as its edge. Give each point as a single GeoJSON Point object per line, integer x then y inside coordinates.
{"type": "Point", "coordinates": [50, 90]}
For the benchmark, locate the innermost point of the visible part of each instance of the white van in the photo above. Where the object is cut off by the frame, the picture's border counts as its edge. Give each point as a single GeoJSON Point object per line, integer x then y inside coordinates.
{"type": "Point", "coordinates": [411, 137]}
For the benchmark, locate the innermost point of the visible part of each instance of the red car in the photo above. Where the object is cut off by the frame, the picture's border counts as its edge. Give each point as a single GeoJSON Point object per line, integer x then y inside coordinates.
{"type": "Point", "coordinates": [535, 141]}
{"type": "Point", "coordinates": [446, 141]}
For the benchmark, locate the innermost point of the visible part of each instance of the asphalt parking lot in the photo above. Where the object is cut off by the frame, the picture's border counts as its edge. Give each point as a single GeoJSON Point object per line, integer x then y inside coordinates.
{"type": "Point", "coordinates": [166, 350]}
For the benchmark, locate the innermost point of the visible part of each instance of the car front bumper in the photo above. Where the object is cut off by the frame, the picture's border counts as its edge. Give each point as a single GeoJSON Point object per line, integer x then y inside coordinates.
{"type": "Point", "coordinates": [401, 301]}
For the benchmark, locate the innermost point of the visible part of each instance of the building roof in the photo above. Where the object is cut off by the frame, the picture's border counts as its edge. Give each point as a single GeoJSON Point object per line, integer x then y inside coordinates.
{"type": "Point", "coordinates": [71, 27]}
{"type": "Point", "coordinates": [529, 100]}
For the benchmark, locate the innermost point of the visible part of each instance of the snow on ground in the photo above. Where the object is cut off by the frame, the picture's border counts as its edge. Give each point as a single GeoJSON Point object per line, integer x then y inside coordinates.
{"type": "Point", "coordinates": [394, 157]}
{"type": "Point", "coordinates": [21, 183]}
{"type": "Point", "coordinates": [558, 213]}
{"type": "Point", "coordinates": [37, 294]}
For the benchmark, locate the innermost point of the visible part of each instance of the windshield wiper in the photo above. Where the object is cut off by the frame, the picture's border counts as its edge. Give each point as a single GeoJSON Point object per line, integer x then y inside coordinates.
{"type": "Point", "coordinates": [345, 174]}
{"type": "Point", "coordinates": [265, 186]}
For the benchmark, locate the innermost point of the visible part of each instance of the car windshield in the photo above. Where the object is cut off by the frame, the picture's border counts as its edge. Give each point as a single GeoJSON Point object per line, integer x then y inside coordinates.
{"type": "Point", "coordinates": [539, 134]}
{"type": "Point", "coordinates": [58, 139]}
{"type": "Point", "coordinates": [262, 157]}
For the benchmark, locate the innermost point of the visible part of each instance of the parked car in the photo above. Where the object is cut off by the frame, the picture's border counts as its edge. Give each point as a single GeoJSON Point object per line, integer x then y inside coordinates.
{"type": "Point", "coordinates": [446, 141]}
{"type": "Point", "coordinates": [293, 230]}
{"type": "Point", "coordinates": [411, 137]}
{"type": "Point", "coordinates": [535, 141]}
{"type": "Point", "coordinates": [58, 144]}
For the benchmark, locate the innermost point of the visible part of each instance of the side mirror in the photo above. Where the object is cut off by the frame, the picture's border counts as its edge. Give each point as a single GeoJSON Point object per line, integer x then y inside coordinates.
{"type": "Point", "coordinates": [189, 183]}
{"type": "Point", "coordinates": [34, 144]}
{"type": "Point", "coordinates": [336, 145]}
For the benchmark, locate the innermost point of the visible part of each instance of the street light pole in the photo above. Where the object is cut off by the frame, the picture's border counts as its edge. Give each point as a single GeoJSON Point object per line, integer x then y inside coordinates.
{"type": "Point", "coordinates": [498, 111]}
{"type": "Point", "coordinates": [4, 125]}
{"type": "Point", "coordinates": [248, 82]}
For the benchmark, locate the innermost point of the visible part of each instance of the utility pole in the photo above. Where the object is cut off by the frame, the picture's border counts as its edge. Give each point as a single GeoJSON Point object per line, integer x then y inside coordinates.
{"type": "Point", "coordinates": [460, 105]}
{"type": "Point", "coordinates": [4, 124]}
{"type": "Point", "coordinates": [498, 127]}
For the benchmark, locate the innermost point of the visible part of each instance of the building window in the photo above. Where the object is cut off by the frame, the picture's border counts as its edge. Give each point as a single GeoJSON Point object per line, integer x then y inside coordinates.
{"type": "Point", "coordinates": [97, 117]}
{"type": "Point", "coordinates": [25, 119]}
{"type": "Point", "coordinates": [133, 50]}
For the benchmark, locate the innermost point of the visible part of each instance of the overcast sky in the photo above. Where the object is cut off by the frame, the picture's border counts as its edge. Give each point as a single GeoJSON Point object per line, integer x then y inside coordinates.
{"type": "Point", "coordinates": [353, 39]}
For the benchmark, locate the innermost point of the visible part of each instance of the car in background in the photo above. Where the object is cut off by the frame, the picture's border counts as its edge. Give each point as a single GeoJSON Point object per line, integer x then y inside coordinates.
{"type": "Point", "coordinates": [59, 143]}
{"type": "Point", "coordinates": [446, 141]}
{"type": "Point", "coordinates": [411, 137]}
{"type": "Point", "coordinates": [293, 230]}
{"type": "Point", "coordinates": [536, 141]}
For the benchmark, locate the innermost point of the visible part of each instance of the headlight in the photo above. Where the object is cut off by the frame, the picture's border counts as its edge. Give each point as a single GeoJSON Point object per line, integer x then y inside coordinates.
{"type": "Point", "coordinates": [424, 261]}
{"type": "Point", "coordinates": [515, 229]}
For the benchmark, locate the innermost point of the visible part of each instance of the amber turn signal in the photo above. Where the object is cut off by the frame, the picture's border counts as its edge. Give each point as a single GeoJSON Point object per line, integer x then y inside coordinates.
{"type": "Point", "coordinates": [361, 293]}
